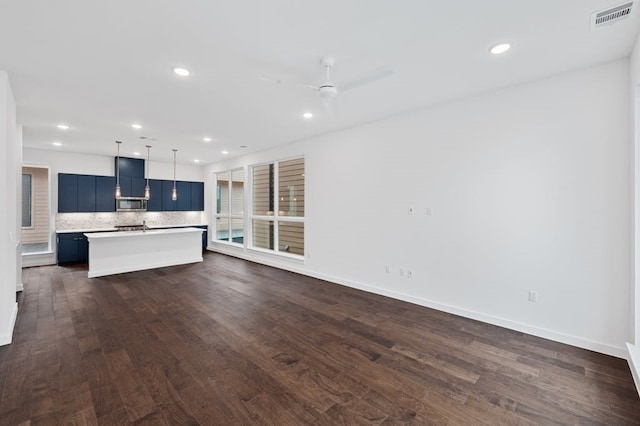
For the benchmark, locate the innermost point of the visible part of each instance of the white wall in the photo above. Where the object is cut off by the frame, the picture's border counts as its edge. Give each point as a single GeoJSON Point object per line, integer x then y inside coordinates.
{"type": "Point", "coordinates": [634, 299]}
{"type": "Point", "coordinates": [529, 188]}
{"type": "Point", "coordinates": [9, 229]}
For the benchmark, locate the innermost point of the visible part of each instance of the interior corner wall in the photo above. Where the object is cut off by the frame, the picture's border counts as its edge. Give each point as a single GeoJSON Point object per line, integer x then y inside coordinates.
{"type": "Point", "coordinates": [529, 189]}
{"type": "Point", "coordinates": [17, 161]}
{"type": "Point", "coordinates": [8, 221]}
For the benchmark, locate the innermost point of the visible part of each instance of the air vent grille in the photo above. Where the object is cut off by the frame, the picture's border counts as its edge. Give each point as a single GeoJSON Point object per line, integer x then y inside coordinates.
{"type": "Point", "coordinates": [611, 15]}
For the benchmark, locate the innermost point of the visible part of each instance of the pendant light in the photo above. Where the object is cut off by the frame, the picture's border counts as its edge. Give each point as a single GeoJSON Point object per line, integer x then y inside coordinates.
{"type": "Point", "coordinates": [118, 194]}
{"type": "Point", "coordinates": [147, 190]}
{"type": "Point", "coordinates": [174, 193]}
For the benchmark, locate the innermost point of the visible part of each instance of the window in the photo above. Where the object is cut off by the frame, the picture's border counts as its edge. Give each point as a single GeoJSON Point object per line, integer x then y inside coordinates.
{"type": "Point", "coordinates": [229, 213]}
{"type": "Point", "coordinates": [35, 210]}
{"type": "Point", "coordinates": [27, 192]}
{"type": "Point", "coordinates": [277, 220]}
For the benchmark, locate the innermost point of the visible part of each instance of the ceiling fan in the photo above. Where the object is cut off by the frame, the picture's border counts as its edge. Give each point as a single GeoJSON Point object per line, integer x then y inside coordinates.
{"type": "Point", "coordinates": [328, 90]}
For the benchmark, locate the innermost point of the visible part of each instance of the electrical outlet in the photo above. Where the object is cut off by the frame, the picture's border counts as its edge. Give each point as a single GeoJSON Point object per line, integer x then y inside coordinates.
{"type": "Point", "coordinates": [533, 296]}
{"type": "Point", "coordinates": [387, 269]}
{"type": "Point", "coordinates": [409, 273]}
{"type": "Point", "coordinates": [402, 272]}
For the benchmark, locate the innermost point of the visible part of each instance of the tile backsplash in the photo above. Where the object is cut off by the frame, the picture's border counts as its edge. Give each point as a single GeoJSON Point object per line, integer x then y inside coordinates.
{"type": "Point", "coordinates": [67, 221]}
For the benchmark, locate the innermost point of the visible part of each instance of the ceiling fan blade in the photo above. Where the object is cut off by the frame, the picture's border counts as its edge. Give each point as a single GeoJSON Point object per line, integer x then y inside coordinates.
{"type": "Point", "coordinates": [367, 78]}
{"type": "Point", "coordinates": [281, 82]}
{"type": "Point", "coordinates": [270, 80]}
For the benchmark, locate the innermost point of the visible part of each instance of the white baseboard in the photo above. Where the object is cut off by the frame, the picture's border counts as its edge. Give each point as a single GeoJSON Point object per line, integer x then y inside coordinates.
{"type": "Point", "coordinates": [5, 339]}
{"type": "Point", "coordinates": [634, 364]}
{"type": "Point", "coordinates": [618, 352]}
{"type": "Point", "coordinates": [38, 259]}
{"type": "Point", "coordinates": [19, 287]}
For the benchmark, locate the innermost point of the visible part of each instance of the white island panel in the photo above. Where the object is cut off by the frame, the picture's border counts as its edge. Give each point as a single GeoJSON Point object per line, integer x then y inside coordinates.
{"type": "Point", "coordinates": [117, 252]}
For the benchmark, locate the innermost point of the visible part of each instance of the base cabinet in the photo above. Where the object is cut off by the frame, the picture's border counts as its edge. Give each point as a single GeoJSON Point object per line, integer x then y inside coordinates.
{"type": "Point", "coordinates": [73, 248]}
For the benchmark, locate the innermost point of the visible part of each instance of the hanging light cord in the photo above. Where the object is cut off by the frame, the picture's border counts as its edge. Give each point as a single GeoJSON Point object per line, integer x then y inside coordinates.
{"type": "Point", "coordinates": [174, 193]}
{"type": "Point", "coordinates": [118, 194]}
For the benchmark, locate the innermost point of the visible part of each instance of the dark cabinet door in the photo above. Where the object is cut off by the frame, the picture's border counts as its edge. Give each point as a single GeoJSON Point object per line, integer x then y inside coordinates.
{"type": "Point", "coordinates": [154, 204]}
{"type": "Point", "coordinates": [86, 193]}
{"type": "Point", "coordinates": [130, 167]}
{"type": "Point", "coordinates": [72, 248]}
{"type": "Point", "coordinates": [197, 196]}
{"type": "Point", "coordinates": [125, 186]}
{"type": "Point", "coordinates": [137, 187]}
{"type": "Point", "coordinates": [105, 194]}
{"type": "Point", "coordinates": [67, 250]}
{"type": "Point", "coordinates": [67, 193]}
{"type": "Point", "coordinates": [168, 205]}
{"type": "Point", "coordinates": [184, 196]}
{"type": "Point", "coordinates": [83, 249]}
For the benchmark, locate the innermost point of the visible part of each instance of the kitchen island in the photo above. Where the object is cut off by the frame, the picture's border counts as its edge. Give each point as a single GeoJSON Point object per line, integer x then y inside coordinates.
{"type": "Point", "coordinates": [117, 252]}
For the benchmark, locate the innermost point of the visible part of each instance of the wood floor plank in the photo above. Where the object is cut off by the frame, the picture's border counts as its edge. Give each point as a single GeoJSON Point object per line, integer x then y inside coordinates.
{"type": "Point", "coordinates": [227, 341]}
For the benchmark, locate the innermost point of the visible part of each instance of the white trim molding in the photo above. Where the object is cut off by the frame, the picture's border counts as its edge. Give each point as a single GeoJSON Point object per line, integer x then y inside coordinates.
{"type": "Point", "coordinates": [6, 339]}
{"type": "Point", "coordinates": [634, 364]}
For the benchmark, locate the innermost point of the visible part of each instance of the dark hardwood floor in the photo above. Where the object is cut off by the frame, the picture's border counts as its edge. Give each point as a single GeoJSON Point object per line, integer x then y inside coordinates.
{"type": "Point", "coordinates": [228, 342]}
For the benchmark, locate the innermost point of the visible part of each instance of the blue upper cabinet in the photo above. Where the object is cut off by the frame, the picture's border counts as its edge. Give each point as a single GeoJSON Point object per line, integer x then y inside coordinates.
{"type": "Point", "coordinates": [137, 187]}
{"type": "Point", "coordinates": [86, 193]}
{"type": "Point", "coordinates": [125, 186]}
{"type": "Point", "coordinates": [168, 205]}
{"type": "Point", "coordinates": [154, 204]}
{"type": "Point", "coordinates": [130, 167]}
{"type": "Point", "coordinates": [184, 196]}
{"type": "Point", "coordinates": [197, 196]}
{"type": "Point", "coordinates": [67, 193]}
{"type": "Point", "coordinates": [105, 194]}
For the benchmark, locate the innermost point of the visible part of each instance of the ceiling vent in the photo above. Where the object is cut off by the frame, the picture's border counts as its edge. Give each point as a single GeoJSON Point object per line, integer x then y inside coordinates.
{"type": "Point", "coordinates": [611, 15]}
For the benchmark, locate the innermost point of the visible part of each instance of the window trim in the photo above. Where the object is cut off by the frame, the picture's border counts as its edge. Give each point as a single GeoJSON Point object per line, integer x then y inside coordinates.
{"type": "Point", "coordinates": [275, 218]}
{"type": "Point", "coordinates": [229, 215]}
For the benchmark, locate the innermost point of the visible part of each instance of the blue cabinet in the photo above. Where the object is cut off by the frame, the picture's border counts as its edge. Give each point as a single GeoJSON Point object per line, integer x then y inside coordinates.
{"type": "Point", "coordinates": [197, 196]}
{"type": "Point", "coordinates": [73, 248]}
{"type": "Point", "coordinates": [67, 193]}
{"type": "Point", "coordinates": [168, 205]}
{"type": "Point", "coordinates": [76, 193]}
{"type": "Point", "coordinates": [86, 193]}
{"type": "Point", "coordinates": [137, 187]}
{"type": "Point", "coordinates": [204, 236]}
{"type": "Point", "coordinates": [130, 167]}
{"type": "Point", "coordinates": [154, 204]}
{"type": "Point", "coordinates": [132, 186]}
{"type": "Point", "coordinates": [184, 196]}
{"type": "Point", "coordinates": [105, 194]}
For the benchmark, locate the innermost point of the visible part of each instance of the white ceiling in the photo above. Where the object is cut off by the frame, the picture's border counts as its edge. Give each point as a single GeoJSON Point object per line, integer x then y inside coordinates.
{"type": "Point", "coordinates": [101, 65]}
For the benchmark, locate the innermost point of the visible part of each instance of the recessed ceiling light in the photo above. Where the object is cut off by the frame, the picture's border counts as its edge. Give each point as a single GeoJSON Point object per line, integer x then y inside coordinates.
{"type": "Point", "coordinates": [196, 161]}
{"type": "Point", "coordinates": [225, 152]}
{"type": "Point", "coordinates": [307, 115]}
{"type": "Point", "coordinates": [206, 139]}
{"type": "Point", "coordinates": [136, 153]}
{"type": "Point", "coordinates": [182, 72]}
{"type": "Point", "coordinates": [62, 126]}
{"type": "Point", "coordinates": [56, 143]}
{"type": "Point", "coordinates": [500, 48]}
{"type": "Point", "coordinates": [136, 126]}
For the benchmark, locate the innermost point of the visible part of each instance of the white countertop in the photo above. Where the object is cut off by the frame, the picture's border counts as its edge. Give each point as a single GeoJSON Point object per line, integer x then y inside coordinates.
{"type": "Point", "coordinates": [137, 234]}
{"type": "Point", "coordinates": [68, 231]}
